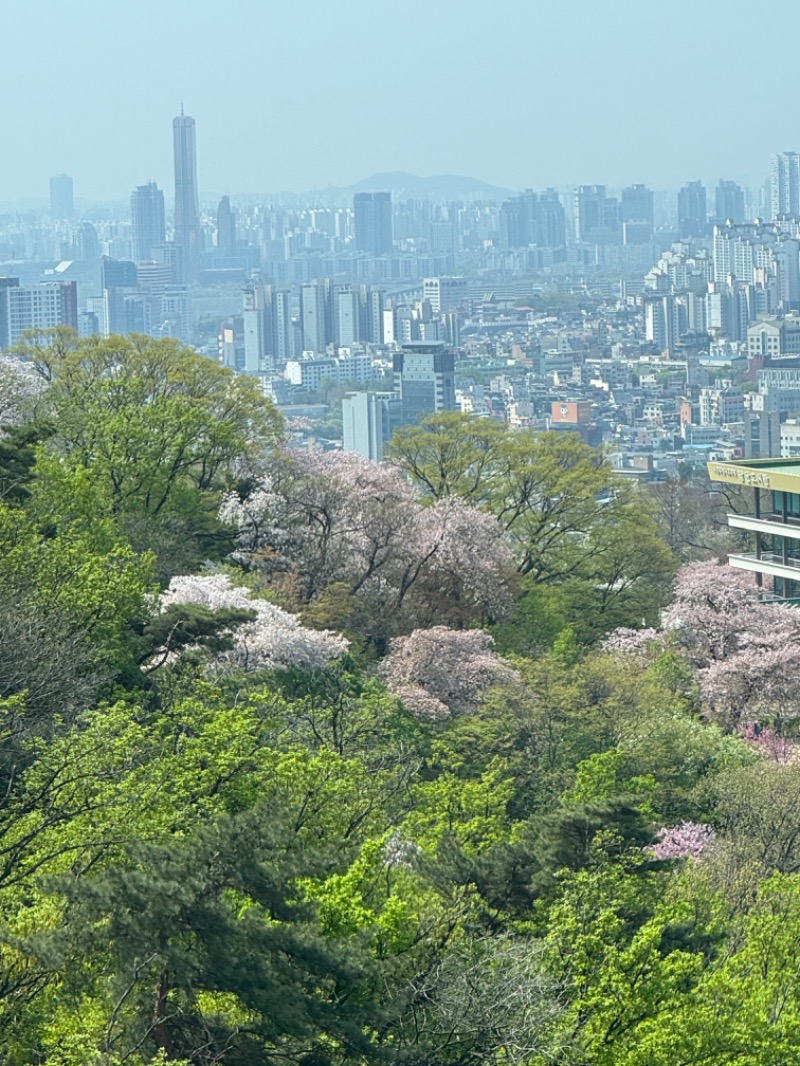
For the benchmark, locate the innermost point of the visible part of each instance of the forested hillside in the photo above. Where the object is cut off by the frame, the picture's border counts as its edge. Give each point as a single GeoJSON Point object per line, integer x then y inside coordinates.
{"type": "Point", "coordinates": [471, 757]}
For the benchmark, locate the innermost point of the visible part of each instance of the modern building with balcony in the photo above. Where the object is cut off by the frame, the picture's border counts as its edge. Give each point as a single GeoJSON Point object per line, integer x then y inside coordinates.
{"type": "Point", "coordinates": [774, 522]}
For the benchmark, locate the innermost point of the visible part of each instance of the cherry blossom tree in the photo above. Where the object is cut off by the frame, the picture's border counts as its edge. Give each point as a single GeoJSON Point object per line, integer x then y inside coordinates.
{"type": "Point", "coordinates": [438, 672]}
{"type": "Point", "coordinates": [713, 606]}
{"type": "Point", "coordinates": [689, 840]}
{"type": "Point", "coordinates": [274, 639]}
{"type": "Point", "coordinates": [317, 519]}
{"type": "Point", "coordinates": [774, 746]}
{"type": "Point", "coordinates": [746, 653]}
{"type": "Point", "coordinates": [638, 642]}
{"type": "Point", "coordinates": [20, 384]}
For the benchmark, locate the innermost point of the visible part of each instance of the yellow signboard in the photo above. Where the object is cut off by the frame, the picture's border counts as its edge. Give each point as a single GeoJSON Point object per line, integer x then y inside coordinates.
{"type": "Point", "coordinates": [740, 475]}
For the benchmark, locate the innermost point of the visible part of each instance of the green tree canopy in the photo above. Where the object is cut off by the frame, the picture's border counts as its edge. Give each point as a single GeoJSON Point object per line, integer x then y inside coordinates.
{"type": "Point", "coordinates": [162, 429]}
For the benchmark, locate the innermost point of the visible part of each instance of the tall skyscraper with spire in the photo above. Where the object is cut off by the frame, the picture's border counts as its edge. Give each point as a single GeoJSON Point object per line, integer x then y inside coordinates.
{"type": "Point", "coordinates": [187, 206]}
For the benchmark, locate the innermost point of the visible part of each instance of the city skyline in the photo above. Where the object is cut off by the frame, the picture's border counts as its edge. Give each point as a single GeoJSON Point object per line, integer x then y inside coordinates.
{"type": "Point", "coordinates": [521, 100]}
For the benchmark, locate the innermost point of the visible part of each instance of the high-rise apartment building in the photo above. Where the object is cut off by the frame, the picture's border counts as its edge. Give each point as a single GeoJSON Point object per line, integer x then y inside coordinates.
{"type": "Point", "coordinates": [375, 309]}
{"type": "Point", "coordinates": [267, 328]}
{"type": "Point", "coordinates": [257, 322]}
{"type": "Point", "coordinates": [61, 196]}
{"type": "Point", "coordinates": [187, 205]}
{"type": "Point", "coordinates": [533, 219]}
{"type": "Point", "coordinates": [785, 184]}
{"type": "Point", "coordinates": [147, 217]}
{"type": "Point", "coordinates": [348, 326]}
{"type": "Point", "coordinates": [314, 314]}
{"type": "Point", "coordinates": [692, 210]}
{"type": "Point", "coordinates": [36, 307]}
{"type": "Point", "coordinates": [372, 213]}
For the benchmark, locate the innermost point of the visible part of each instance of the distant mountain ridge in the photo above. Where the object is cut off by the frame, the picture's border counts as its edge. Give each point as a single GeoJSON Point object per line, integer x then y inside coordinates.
{"type": "Point", "coordinates": [401, 185]}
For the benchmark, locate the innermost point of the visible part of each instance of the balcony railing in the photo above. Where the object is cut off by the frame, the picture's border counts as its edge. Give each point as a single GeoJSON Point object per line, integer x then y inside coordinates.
{"type": "Point", "coordinates": [770, 516]}
{"type": "Point", "coordinates": [768, 523]}
{"type": "Point", "coordinates": [766, 563]}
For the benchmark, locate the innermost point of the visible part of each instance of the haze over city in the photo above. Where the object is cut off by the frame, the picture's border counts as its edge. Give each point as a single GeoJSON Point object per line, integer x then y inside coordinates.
{"type": "Point", "coordinates": [303, 96]}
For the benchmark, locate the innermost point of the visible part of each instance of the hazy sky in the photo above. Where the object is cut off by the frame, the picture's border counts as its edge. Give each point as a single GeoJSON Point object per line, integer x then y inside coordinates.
{"type": "Point", "coordinates": [294, 95]}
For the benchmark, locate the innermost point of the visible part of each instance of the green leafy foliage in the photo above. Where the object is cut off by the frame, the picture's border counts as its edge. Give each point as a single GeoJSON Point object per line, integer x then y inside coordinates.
{"type": "Point", "coordinates": [290, 866]}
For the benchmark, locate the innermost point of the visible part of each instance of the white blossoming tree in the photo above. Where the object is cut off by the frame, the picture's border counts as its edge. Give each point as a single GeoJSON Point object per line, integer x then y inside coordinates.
{"type": "Point", "coordinates": [274, 639]}
{"type": "Point", "coordinates": [19, 386]}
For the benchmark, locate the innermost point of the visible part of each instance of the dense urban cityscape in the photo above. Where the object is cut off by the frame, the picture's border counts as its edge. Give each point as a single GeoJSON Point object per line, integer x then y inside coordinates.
{"type": "Point", "coordinates": [665, 326]}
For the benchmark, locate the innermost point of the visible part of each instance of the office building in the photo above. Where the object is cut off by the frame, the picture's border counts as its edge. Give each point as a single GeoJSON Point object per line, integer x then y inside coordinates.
{"type": "Point", "coordinates": [762, 425]}
{"type": "Point", "coordinates": [692, 210]}
{"type": "Point", "coordinates": [35, 307]}
{"type": "Point", "coordinates": [551, 220]}
{"type": "Point", "coordinates": [774, 522]}
{"type": "Point", "coordinates": [445, 294]}
{"type": "Point", "coordinates": [598, 217]}
{"type": "Point", "coordinates": [785, 184]}
{"type": "Point", "coordinates": [61, 196]}
{"type": "Point", "coordinates": [368, 421]}
{"type": "Point", "coordinates": [187, 206]}
{"type": "Point", "coordinates": [226, 228]}
{"type": "Point", "coordinates": [148, 219]}
{"type": "Point", "coordinates": [372, 213]}
{"type": "Point", "coordinates": [636, 204]}
{"type": "Point", "coordinates": [424, 379]}
{"type": "Point", "coordinates": [118, 274]}
{"type": "Point", "coordinates": [87, 243]}
{"type": "Point", "coordinates": [729, 202]}
{"type": "Point", "coordinates": [636, 212]}
{"type": "Point", "coordinates": [772, 337]}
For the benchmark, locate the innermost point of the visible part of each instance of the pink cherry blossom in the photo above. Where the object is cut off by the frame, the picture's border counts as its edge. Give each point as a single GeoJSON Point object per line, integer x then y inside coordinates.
{"type": "Point", "coordinates": [771, 745]}
{"type": "Point", "coordinates": [689, 840]}
{"type": "Point", "coordinates": [438, 672]}
{"type": "Point", "coordinates": [324, 518]}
